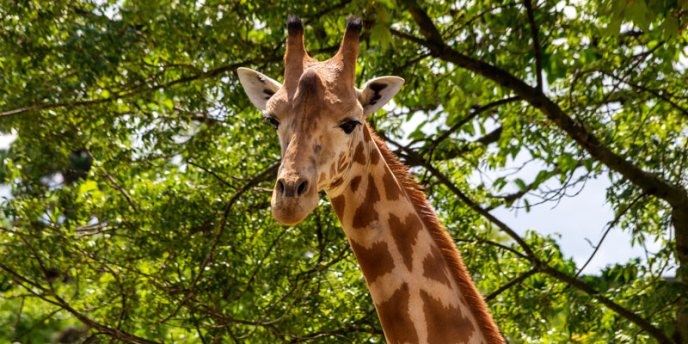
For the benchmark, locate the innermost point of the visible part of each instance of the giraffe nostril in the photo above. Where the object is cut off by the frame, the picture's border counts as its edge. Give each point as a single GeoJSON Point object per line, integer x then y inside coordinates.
{"type": "Point", "coordinates": [301, 189]}
{"type": "Point", "coordinates": [280, 187]}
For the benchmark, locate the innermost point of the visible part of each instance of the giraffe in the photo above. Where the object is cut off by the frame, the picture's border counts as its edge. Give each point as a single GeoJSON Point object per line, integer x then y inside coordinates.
{"type": "Point", "coordinates": [421, 290]}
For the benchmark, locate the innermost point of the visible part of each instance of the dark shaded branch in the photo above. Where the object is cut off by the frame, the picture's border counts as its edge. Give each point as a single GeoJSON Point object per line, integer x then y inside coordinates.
{"type": "Point", "coordinates": [510, 198]}
{"type": "Point", "coordinates": [655, 93]}
{"type": "Point", "coordinates": [325, 11]}
{"type": "Point", "coordinates": [476, 111]}
{"type": "Point", "coordinates": [643, 323]}
{"type": "Point", "coordinates": [210, 172]}
{"type": "Point", "coordinates": [121, 190]}
{"type": "Point", "coordinates": [510, 284]}
{"type": "Point", "coordinates": [456, 151]}
{"type": "Point", "coordinates": [54, 299]}
{"type": "Point", "coordinates": [650, 183]}
{"type": "Point", "coordinates": [537, 50]}
{"type": "Point", "coordinates": [427, 28]}
{"type": "Point", "coordinates": [495, 244]}
{"type": "Point", "coordinates": [122, 95]}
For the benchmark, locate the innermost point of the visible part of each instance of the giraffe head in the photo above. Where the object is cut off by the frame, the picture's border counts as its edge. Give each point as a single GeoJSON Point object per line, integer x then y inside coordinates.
{"type": "Point", "coordinates": [317, 113]}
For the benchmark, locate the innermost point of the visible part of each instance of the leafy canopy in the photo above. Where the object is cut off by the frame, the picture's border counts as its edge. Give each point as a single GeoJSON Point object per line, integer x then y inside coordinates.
{"type": "Point", "coordinates": [140, 176]}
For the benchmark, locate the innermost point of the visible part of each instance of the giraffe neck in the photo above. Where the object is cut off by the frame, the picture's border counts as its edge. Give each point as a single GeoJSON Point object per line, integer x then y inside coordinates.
{"type": "Point", "coordinates": [421, 290]}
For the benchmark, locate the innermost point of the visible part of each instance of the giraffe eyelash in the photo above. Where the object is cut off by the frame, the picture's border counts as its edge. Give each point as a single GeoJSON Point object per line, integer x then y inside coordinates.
{"type": "Point", "coordinates": [348, 125]}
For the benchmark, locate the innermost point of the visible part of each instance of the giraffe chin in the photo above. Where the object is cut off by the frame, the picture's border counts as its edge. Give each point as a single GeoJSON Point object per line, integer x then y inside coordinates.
{"type": "Point", "coordinates": [292, 210]}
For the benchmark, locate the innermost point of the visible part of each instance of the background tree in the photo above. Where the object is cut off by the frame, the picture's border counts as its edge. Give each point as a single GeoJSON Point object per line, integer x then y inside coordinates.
{"type": "Point", "coordinates": [140, 174]}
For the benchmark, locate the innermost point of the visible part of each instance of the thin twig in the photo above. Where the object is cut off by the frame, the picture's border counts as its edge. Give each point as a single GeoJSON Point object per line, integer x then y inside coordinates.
{"type": "Point", "coordinates": [510, 284]}
{"type": "Point", "coordinates": [607, 230]}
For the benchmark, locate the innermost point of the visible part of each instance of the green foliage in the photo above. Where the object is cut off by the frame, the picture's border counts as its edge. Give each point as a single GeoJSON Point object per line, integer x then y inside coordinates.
{"type": "Point", "coordinates": [140, 177]}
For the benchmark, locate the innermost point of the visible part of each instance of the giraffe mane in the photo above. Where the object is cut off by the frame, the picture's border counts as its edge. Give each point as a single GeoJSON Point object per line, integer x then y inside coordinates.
{"type": "Point", "coordinates": [443, 240]}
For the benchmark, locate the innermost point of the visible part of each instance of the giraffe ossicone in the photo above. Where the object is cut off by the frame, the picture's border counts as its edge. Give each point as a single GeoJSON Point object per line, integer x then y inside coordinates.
{"type": "Point", "coordinates": [420, 287]}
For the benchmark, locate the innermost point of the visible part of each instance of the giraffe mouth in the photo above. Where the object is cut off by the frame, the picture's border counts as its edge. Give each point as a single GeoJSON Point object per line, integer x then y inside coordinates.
{"type": "Point", "coordinates": [292, 210]}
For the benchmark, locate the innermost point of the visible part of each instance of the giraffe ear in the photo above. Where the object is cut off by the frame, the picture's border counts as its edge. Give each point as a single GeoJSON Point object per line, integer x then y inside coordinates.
{"type": "Point", "coordinates": [377, 92]}
{"type": "Point", "coordinates": [257, 86]}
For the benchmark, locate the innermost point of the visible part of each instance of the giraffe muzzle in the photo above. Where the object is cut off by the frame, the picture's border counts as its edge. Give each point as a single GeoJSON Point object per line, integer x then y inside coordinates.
{"type": "Point", "coordinates": [293, 198]}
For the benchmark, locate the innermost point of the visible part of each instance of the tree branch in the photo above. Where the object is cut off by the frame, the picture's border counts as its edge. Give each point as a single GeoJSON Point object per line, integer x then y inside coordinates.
{"type": "Point", "coordinates": [650, 183]}
{"type": "Point", "coordinates": [606, 232]}
{"type": "Point", "coordinates": [476, 111]}
{"type": "Point", "coordinates": [58, 301]}
{"type": "Point", "coordinates": [455, 151]}
{"type": "Point", "coordinates": [121, 190]}
{"type": "Point", "coordinates": [537, 50]}
{"type": "Point", "coordinates": [116, 96]}
{"type": "Point", "coordinates": [219, 230]}
{"type": "Point", "coordinates": [427, 28]}
{"type": "Point", "coordinates": [653, 92]}
{"type": "Point", "coordinates": [510, 284]}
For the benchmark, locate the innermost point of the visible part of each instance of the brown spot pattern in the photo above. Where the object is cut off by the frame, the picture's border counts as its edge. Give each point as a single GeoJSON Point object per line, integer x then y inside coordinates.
{"type": "Point", "coordinates": [359, 154]}
{"type": "Point", "coordinates": [366, 213]}
{"type": "Point", "coordinates": [392, 188]}
{"type": "Point", "coordinates": [404, 235]}
{"type": "Point", "coordinates": [374, 157]}
{"type": "Point", "coordinates": [355, 181]}
{"type": "Point", "coordinates": [338, 205]}
{"type": "Point", "coordinates": [434, 266]}
{"type": "Point", "coordinates": [445, 324]}
{"type": "Point", "coordinates": [395, 318]}
{"type": "Point", "coordinates": [375, 261]}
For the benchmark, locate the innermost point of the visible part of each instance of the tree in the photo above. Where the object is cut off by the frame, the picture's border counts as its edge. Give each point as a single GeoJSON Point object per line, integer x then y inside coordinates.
{"type": "Point", "coordinates": [139, 176]}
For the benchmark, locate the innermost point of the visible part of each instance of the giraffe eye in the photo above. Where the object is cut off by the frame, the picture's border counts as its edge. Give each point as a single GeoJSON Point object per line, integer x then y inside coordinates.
{"type": "Point", "coordinates": [272, 120]}
{"type": "Point", "coordinates": [349, 125]}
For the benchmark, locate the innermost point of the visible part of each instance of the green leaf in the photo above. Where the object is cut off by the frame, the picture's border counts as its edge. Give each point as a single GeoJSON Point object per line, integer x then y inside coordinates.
{"type": "Point", "coordinates": [521, 184]}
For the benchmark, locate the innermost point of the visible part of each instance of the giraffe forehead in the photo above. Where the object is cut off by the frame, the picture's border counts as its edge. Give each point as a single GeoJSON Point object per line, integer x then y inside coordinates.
{"type": "Point", "coordinates": [318, 94]}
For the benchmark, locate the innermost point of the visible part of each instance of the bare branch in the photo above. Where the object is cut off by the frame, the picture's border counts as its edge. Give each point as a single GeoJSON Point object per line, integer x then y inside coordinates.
{"type": "Point", "coordinates": [606, 232]}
